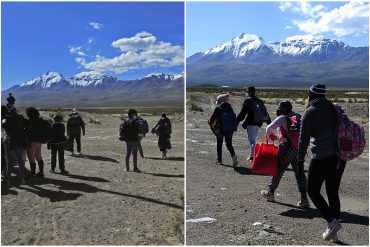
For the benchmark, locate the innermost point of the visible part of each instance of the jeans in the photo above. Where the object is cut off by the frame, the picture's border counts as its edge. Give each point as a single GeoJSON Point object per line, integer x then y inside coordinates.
{"type": "Point", "coordinates": [57, 149]}
{"type": "Point", "coordinates": [325, 170]}
{"type": "Point", "coordinates": [78, 141]}
{"type": "Point", "coordinates": [252, 131]}
{"type": "Point", "coordinates": [15, 156]}
{"type": "Point", "coordinates": [228, 139]}
{"type": "Point", "coordinates": [131, 147]}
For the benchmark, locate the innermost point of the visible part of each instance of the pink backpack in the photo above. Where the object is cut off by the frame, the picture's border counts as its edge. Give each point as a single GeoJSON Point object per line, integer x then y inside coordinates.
{"type": "Point", "coordinates": [351, 136]}
{"type": "Point", "coordinates": [294, 127]}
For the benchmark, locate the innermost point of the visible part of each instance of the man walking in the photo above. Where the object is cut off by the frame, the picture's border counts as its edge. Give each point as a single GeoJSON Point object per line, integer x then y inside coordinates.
{"type": "Point", "coordinates": [74, 126]}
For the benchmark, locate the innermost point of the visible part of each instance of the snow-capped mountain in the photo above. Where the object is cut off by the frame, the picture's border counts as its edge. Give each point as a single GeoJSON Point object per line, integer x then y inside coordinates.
{"type": "Point", "coordinates": [297, 61]}
{"type": "Point", "coordinates": [250, 47]}
{"type": "Point", "coordinates": [93, 79]}
{"type": "Point", "coordinates": [96, 89]}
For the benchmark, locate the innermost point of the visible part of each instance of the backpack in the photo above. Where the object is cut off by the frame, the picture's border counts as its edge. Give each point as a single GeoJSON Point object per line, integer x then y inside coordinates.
{"type": "Point", "coordinates": [260, 113]}
{"type": "Point", "coordinates": [294, 128]}
{"type": "Point", "coordinates": [143, 125]}
{"type": "Point", "coordinates": [228, 121]}
{"type": "Point", "coordinates": [122, 131]}
{"type": "Point", "coordinates": [351, 136]}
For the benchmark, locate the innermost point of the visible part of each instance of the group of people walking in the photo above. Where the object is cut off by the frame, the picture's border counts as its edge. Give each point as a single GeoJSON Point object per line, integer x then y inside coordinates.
{"type": "Point", "coordinates": [23, 137]}
{"type": "Point", "coordinates": [318, 123]}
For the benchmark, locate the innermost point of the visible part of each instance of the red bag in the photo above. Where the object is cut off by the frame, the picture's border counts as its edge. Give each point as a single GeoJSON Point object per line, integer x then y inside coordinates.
{"type": "Point", "coordinates": [265, 159]}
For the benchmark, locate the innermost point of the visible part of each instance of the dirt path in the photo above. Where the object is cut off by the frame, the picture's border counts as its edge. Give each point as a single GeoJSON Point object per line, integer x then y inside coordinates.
{"type": "Point", "coordinates": [232, 197]}
{"type": "Point", "coordinates": [99, 202]}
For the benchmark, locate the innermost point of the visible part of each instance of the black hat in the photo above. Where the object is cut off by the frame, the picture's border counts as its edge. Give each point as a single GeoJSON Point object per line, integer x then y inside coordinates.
{"type": "Point", "coordinates": [285, 107]}
{"type": "Point", "coordinates": [251, 89]}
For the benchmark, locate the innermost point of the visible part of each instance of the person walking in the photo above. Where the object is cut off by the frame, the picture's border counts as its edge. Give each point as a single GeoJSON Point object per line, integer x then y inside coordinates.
{"type": "Point", "coordinates": [74, 126]}
{"type": "Point", "coordinates": [38, 133]}
{"type": "Point", "coordinates": [256, 114]}
{"type": "Point", "coordinates": [163, 129]}
{"type": "Point", "coordinates": [129, 132]}
{"type": "Point", "coordinates": [223, 124]}
{"type": "Point", "coordinates": [319, 123]}
{"type": "Point", "coordinates": [287, 153]}
{"type": "Point", "coordinates": [14, 144]}
{"type": "Point", "coordinates": [57, 140]}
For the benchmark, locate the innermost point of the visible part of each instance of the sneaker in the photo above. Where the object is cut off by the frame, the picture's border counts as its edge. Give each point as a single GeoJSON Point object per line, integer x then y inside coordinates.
{"type": "Point", "coordinates": [235, 160]}
{"type": "Point", "coordinates": [332, 230]}
{"type": "Point", "coordinates": [269, 196]}
{"type": "Point", "coordinates": [137, 170]}
{"type": "Point", "coordinates": [303, 203]}
{"type": "Point", "coordinates": [23, 181]}
{"type": "Point", "coordinates": [218, 162]}
{"type": "Point", "coordinates": [64, 172]}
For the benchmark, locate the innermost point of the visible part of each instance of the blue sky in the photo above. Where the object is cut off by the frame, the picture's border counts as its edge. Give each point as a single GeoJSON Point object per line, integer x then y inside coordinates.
{"type": "Point", "coordinates": [211, 23]}
{"type": "Point", "coordinates": [124, 39]}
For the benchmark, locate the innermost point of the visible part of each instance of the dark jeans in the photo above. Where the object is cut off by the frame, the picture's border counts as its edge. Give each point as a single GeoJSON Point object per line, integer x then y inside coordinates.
{"type": "Point", "coordinates": [228, 139]}
{"type": "Point", "coordinates": [57, 149]}
{"type": "Point", "coordinates": [78, 141]}
{"type": "Point", "coordinates": [325, 170]}
{"type": "Point", "coordinates": [131, 147]}
{"type": "Point", "coordinates": [141, 152]}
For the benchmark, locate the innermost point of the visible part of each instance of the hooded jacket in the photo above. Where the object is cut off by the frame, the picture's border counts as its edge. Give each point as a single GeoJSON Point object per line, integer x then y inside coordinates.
{"type": "Point", "coordinates": [319, 121]}
{"type": "Point", "coordinates": [224, 106]}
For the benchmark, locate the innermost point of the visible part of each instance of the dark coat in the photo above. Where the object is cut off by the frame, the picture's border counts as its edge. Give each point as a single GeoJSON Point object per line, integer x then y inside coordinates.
{"type": "Point", "coordinates": [130, 129]}
{"type": "Point", "coordinates": [247, 108]}
{"type": "Point", "coordinates": [38, 130]}
{"type": "Point", "coordinates": [57, 133]}
{"type": "Point", "coordinates": [75, 125]}
{"type": "Point", "coordinates": [216, 115]}
{"type": "Point", "coordinates": [14, 126]}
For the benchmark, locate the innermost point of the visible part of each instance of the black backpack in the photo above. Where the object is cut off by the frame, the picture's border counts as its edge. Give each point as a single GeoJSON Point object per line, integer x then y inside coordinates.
{"type": "Point", "coordinates": [260, 113]}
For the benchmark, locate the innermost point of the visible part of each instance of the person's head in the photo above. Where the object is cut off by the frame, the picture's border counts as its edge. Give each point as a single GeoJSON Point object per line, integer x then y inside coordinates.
{"type": "Point", "coordinates": [163, 115]}
{"type": "Point", "coordinates": [285, 107]}
{"type": "Point", "coordinates": [32, 112]}
{"type": "Point", "coordinates": [316, 91]}
{"type": "Point", "coordinates": [222, 98]}
{"type": "Point", "coordinates": [74, 111]}
{"type": "Point", "coordinates": [251, 91]}
{"type": "Point", "coordinates": [58, 118]}
{"type": "Point", "coordinates": [132, 113]}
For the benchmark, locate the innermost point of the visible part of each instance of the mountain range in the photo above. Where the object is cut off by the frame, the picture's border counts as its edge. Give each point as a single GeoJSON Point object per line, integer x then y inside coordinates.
{"type": "Point", "coordinates": [93, 89]}
{"type": "Point", "coordinates": [299, 61]}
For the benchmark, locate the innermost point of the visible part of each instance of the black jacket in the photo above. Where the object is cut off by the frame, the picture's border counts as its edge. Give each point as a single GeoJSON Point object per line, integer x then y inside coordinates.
{"type": "Point", "coordinates": [216, 115]}
{"type": "Point", "coordinates": [130, 129]}
{"type": "Point", "coordinates": [14, 126]}
{"type": "Point", "coordinates": [248, 109]}
{"type": "Point", "coordinates": [38, 130]}
{"type": "Point", "coordinates": [75, 125]}
{"type": "Point", "coordinates": [163, 128]}
{"type": "Point", "coordinates": [57, 133]}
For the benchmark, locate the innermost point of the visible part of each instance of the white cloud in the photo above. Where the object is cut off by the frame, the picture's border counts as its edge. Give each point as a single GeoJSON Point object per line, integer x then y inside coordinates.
{"type": "Point", "coordinates": [352, 18]}
{"type": "Point", "coordinates": [288, 27]}
{"type": "Point", "coordinates": [76, 50]}
{"type": "Point", "coordinates": [96, 25]}
{"type": "Point", "coordinates": [140, 41]}
{"type": "Point", "coordinates": [90, 40]}
{"type": "Point", "coordinates": [140, 51]}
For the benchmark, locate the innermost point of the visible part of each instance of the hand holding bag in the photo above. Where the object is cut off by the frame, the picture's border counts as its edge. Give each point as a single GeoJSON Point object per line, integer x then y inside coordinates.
{"type": "Point", "coordinates": [265, 159]}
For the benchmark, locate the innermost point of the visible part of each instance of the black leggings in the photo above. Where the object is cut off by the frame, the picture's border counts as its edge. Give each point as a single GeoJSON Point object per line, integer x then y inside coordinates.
{"type": "Point", "coordinates": [321, 170]}
{"type": "Point", "coordinates": [229, 144]}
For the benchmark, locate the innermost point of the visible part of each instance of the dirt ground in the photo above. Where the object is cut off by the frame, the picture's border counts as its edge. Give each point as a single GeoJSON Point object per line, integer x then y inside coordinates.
{"type": "Point", "coordinates": [232, 197]}
{"type": "Point", "coordinates": [100, 203]}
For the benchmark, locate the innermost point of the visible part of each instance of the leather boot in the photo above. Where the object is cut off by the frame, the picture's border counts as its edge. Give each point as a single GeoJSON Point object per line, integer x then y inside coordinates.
{"type": "Point", "coordinates": [41, 168]}
{"type": "Point", "coordinates": [33, 169]}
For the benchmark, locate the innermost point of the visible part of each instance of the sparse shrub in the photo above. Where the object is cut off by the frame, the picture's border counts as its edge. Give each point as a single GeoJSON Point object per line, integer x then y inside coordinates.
{"type": "Point", "coordinates": [350, 100]}
{"type": "Point", "coordinates": [195, 107]}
